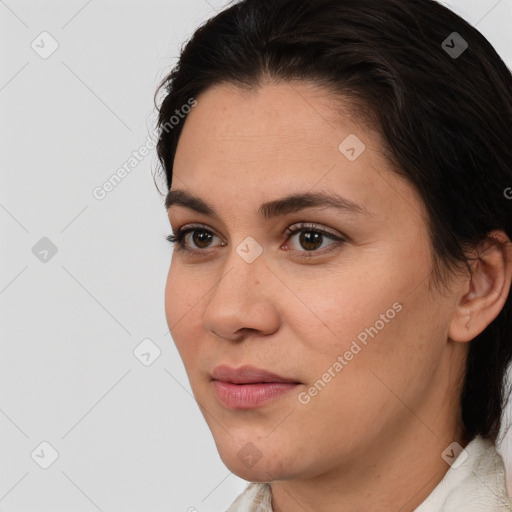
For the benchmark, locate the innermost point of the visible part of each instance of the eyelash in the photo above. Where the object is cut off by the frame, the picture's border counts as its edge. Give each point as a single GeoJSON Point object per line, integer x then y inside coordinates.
{"type": "Point", "coordinates": [179, 237]}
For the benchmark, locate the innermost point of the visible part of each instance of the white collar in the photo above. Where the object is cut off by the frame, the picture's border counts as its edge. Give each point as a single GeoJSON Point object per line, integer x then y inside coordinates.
{"type": "Point", "coordinates": [476, 485]}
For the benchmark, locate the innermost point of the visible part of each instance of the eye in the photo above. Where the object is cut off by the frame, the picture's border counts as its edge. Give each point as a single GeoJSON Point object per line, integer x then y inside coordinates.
{"type": "Point", "coordinates": [201, 237]}
{"type": "Point", "coordinates": [311, 238]}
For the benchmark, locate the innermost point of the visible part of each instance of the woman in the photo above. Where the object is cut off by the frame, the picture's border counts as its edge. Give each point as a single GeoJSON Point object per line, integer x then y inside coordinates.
{"type": "Point", "coordinates": [339, 177]}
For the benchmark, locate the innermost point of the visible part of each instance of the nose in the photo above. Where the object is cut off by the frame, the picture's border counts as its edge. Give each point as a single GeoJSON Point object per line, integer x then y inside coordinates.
{"type": "Point", "coordinates": [243, 300]}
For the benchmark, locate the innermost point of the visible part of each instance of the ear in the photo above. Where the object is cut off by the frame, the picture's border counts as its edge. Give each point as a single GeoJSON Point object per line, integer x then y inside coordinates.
{"type": "Point", "coordinates": [486, 291]}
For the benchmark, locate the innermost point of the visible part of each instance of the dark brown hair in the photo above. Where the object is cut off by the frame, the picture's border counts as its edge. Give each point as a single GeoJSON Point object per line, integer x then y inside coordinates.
{"type": "Point", "coordinates": [444, 112]}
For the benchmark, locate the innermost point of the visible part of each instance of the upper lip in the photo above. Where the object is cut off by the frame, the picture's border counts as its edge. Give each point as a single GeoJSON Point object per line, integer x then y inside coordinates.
{"type": "Point", "coordinates": [247, 374]}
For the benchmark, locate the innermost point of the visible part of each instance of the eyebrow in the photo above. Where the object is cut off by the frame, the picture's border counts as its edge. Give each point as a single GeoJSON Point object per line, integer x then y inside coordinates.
{"type": "Point", "coordinates": [269, 210]}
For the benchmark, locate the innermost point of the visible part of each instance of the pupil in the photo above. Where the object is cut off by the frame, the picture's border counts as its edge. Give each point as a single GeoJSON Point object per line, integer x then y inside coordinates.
{"type": "Point", "coordinates": [308, 238]}
{"type": "Point", "coordinates": [201, 236]}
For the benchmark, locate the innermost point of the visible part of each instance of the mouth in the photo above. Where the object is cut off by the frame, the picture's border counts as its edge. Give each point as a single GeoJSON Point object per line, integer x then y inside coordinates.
{"type": "Point", "coordinates": [248, 387]}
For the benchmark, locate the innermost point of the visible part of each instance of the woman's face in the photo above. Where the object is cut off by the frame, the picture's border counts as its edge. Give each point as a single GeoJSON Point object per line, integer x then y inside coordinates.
{"type": "Point", "coordinates": [353, 325]}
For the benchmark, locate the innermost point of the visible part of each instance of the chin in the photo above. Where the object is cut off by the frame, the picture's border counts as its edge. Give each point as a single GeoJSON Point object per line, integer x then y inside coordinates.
{"type": "Point", "coordinates": [255, 463]}
{"type": "Point", "coordinates": [261, 472]}
{"type": "Point", "coordinates": [252, 475]}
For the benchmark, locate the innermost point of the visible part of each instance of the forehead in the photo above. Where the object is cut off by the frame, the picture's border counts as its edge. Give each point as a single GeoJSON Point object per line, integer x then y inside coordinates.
{"type": "Point", "coordinates": [286, 120]}
{"type": "Point", "coordinates": [278, 139]}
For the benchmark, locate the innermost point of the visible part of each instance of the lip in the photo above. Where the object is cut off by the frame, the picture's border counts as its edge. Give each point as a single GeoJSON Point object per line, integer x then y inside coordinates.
{"type": "Point", "coordinates": [247, 374]}
{"type": "Point", "coordinates": [248, 387]}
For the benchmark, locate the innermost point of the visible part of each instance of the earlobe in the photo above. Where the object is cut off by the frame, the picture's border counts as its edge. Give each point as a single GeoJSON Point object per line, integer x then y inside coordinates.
{"type": "Point", "coordinates": [483, 296]}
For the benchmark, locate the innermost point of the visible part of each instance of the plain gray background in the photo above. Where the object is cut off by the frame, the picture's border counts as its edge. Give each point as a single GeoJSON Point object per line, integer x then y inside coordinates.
{"type": "Point", "coordinates": [124, 428]}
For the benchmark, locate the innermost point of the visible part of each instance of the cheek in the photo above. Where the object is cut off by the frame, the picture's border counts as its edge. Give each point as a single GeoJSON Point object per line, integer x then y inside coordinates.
{"type": "Point", "coordinates": [381, 329]}
{"type": "Point", "coordinates": [172, 305]}
{"type": "Point", "coordinates": [180, 299]}
{"type": "Point", "coordinates": [371, 382]}
{"type": "Point", "coordinates": [340, 308]}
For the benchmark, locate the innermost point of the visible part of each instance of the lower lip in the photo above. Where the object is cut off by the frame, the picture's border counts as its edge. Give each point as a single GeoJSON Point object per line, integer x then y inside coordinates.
{"type": "Point", "coordinates": [247, 396]}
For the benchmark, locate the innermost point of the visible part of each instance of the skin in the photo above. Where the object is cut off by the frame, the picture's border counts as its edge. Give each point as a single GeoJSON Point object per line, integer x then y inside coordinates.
{"type": "Point", "coordinates": [372, 438]}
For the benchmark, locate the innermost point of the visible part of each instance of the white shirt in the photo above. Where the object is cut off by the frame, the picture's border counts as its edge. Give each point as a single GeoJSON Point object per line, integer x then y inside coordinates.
{"type": "Point", "coordinates": [478, 484]}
